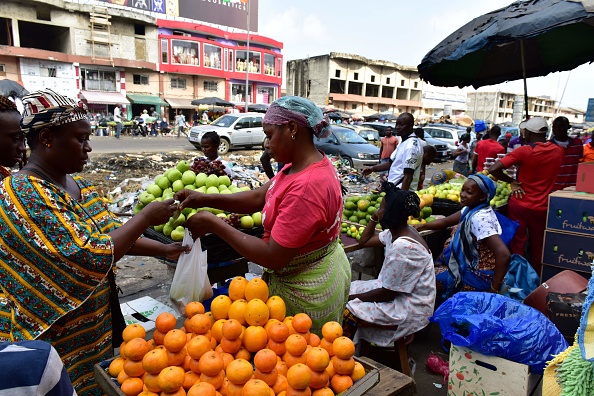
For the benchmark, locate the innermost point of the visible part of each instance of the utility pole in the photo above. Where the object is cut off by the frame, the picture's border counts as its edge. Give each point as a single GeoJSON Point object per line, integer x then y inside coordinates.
{"type": "Point", "coordinates": [247, 58]}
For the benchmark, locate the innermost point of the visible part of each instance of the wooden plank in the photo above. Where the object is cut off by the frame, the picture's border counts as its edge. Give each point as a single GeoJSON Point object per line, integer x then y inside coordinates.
{"type": "Point", "coordinates": [106, 383]}
{"type": "Point", "coordinates": [392, 382]}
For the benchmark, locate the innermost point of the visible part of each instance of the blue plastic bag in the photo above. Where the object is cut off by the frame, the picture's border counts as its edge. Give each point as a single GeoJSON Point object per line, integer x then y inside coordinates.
{"type": "Point", "coordinates": [496, 325]}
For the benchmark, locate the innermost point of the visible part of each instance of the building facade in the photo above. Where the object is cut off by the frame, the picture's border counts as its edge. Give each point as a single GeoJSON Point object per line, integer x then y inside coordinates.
{"type": "Point", "coordinates": [499, 107]}
{"type": "Point", "coordinates": [442, 101]}
{"type": "Point", "coordinates": [356, 84]}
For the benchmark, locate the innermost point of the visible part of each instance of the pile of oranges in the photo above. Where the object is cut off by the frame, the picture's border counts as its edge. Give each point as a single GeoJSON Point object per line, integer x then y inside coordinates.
{"type": "Point", "coordinates": [245, 346]}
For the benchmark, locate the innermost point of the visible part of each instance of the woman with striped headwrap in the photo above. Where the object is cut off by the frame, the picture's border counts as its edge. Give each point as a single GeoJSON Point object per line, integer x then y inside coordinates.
{"type": "Point", "coordinates": [12, 139]}
{"type": "Point", "coordinates": [60, 243]}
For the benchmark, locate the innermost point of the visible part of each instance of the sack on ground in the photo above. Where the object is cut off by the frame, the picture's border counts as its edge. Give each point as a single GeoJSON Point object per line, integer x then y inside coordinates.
{"type": "Point", "coordinates": [190, 281]}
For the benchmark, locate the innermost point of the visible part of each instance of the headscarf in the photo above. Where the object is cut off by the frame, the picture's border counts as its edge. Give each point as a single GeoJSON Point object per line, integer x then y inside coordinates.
{"type": "Point", "coordinates": [399, 205]}
{"type": "Point", "coordinates": [464, 252]}
{"type": "Point", "coordinates": [300, 110]}
{"type": "Point", "coordinates": [46, 108]}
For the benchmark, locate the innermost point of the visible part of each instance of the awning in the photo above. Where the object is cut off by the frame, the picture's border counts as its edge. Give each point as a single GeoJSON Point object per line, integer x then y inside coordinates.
{"type": "Point", "coordinates": [180, 103]}
{"type": "Point", "coordinates": [104, 97]}
{"type": "Point", "coordinates": [147, 99]}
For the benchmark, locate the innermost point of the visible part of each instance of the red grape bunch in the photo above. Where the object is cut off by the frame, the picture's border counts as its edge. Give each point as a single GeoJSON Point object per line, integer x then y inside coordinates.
{"type": "Point", "coordinates": [232, 220]}
{"type": "Point", "coordinates": [204, 165]}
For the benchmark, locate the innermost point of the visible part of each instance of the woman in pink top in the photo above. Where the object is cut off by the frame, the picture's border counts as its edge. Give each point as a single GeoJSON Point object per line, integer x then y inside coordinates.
{"type": "Point", "coordinates": [301, 213]}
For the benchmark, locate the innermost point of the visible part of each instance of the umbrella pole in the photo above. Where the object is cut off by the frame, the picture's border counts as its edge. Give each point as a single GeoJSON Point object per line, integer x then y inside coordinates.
{"type": "Point", "coordinates": [524, 76]}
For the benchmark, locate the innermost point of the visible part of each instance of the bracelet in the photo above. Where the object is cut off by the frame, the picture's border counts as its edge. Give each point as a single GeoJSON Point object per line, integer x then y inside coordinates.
{"type": "Point", "coordinates": [374, 220]}
{"type": "Point", "coordinates": [493, 290]}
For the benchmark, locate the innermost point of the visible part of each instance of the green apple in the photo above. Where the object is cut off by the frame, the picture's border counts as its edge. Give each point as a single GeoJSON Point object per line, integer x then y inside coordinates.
{"type": "Point", "coordinates": [163, 182]}
{"type": "Point", "coordinates": [257, 217]}
{"type": "Point", "coordinates": [145, 198]}
{"type": "Point", "coordinates": [182, 166]}
{"type": "Point", "coordinates": [167, 230]}
{"type": "Point", "coordinates": [159, 199]}
{"type": "Point", "coordinates": [174, 175]}
{"type": "Point", "coordinates": [227, 191]}
{"type": "Point", "coordinates": [200, 180]}
{"type": "Point", "coordinates": [202, 189]}
{"type": "Point", "coordinates": [212, 190]}
{"type": "Point", "coordinates": [155, 190]}
{"type": "Point", "coordinates": [221, 215]}
{"type": "Point", "coordinates": [188, 177]}
{"type": "Point", "coordinates": [186, 211]}
{"type": "Point", "coordinates": [178, 234]}
{"type": "Point", "coordinates": [222, 187]}
{"type": "Point", "coordinates": [138, 208]}
{"type": "Point", "coordinates": [224, 180]}
{"type": "Point", "coordinates": [247, 222]}
{"type": "Point", "coordinates": [212, 181]}
{"type": "Point", "coordinates": [159, 228]}
{"type": "Point", "coordinates": [178, 185]}
{"type": "Point", "coordinates": [190, 187]}
{"type": "Point", "coordinates": [180, 220]}
{"type": "Point", "coordinates": [192, 213]}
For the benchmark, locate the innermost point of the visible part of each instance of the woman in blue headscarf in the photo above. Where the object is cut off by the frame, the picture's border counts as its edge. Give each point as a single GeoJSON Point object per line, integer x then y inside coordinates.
{"type": "Point", "coordinates": [477, 258]}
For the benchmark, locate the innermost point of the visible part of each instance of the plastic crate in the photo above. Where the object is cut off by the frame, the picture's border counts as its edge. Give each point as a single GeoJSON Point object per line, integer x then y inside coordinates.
{"type": "Point", "coordinates": [445, 207]}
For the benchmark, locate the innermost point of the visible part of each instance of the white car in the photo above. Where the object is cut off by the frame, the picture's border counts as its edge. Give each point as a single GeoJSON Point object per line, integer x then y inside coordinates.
{"type": "Point", "coordinates": [236, 130]}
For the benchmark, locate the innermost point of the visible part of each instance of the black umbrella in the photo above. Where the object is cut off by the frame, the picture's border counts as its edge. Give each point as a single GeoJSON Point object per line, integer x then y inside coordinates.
{"type": "Point", "coordinates": [212, 101]}
{"type": "Point", "coordinates": [382, 116]}
{"type": "Point", "coordinates": [525, 39]}
{"type": "Point", "coordinates": [338, 115]}
{"type": "Point", "coordinates": [258, 107]}
{"type": "Point", "coordinates": [13, 89]}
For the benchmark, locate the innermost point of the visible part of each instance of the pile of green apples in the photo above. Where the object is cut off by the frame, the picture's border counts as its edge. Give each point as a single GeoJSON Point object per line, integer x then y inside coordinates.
{"type": "Point", "coordinates": [502, 194]}
{"type": "Point", "coordinates": [358, 209]}
{"type": "Point", "coordinates": [181, 177]}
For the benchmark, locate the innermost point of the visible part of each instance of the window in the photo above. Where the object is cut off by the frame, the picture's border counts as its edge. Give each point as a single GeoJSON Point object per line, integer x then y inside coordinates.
{"type": "Point", "coordinates": [387, 80]}
{"type": "Point", "coordinates": [140, 79]}
{"type": "Point", "coordinates": [185, 52]}
{"type": "Point", "coordinates": [98, 80]}
{"type": "Point", "coordinates": [402, 83]}
{"type": "Point", "coordinates": [256, 122]}
{"type": "Point", "coordinates": [243, 123]}
{"type": "Point", "coordinates": [269, 64]}
{"type": "Point", "coordinates": [138, 29]}
{"type": "Point", "coordinates": [230, 60]}
{"type": "Point", "coordinates": [372, 78]}
{"type": "Point", "coordinates": [353, 106]}
{"type": "Point", "coordinates": [355, 76]}
{"type": "Point", "coordinates": [337, 74]}
{"type": "Point", "coordinates": [265, 95]}
{"type": "Point", "coordinates": [2, 68]}
{"type": "Point", "coordinates": [416, 84]}
{"type": "Point", "coordinates": [47, 71]}
{"type": "Point", "coordinates": [238, 93]}
{"type": "Point", "coordinates": [213, 56]}
{"type": "Point", "coordinates": [43, 14]}
{"type": "Point", "coordinates": [212, 86]}
{"type": "Point", "coordinates": [251, 63]}
{"type": "Point", "coordinates": [164, 52]}
{"type": "Point", "coordinates": [177, 82]}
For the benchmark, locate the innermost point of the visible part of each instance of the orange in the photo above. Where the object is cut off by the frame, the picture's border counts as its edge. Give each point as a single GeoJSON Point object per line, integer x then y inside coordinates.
{"type": "Point", "coordinates": [231, 329]}
{"type": "Point", "coordinates": [343, 366]}
{"type": "Point", "coordinates": [327, 345]}
{"type": "Point", "coordinates": [217, 329]}
{"type": "Point", "coordinates": [269, 377]}
{"type": "Point", "coordinates": [193, 308]}
{"type": "Point", "coordinates": [323, 392]}
{"type": "Point", "coordinates": [243, 354]}
{"type": "Point", "coordinates": [213, 342]}
{"type": "Point", "coordinates": [277, 307]}
{"type": "Point", "coordinates": [158, 337]}
{"type": "Point", "coordinates": [298, 392]}
{"type": "Point", "coordinates": [305, 335]}
{"type": "Point", "coordinates": [199, 324]}
{"type": "Point", "coordinates": [122, 376]}
{"type": "Point", "coordinates": [292, 360]}
{"type": "Point", "coordinates": [256, 387]}
{"type": "Point", "coordinates": [133, 368]}
{"type": "Point", "coordinates": [295, 344]}
{"type": "Point", "coordinates": [278, 347]}
{"type": "Point", "coordinates": [283, 393]}
{"type": "Point", "coordinates": [343, 347]}
{"type": "Point", "coordinates": [358, 372]}
{"type": "Point", "coordinates": [151, 382]}
{"type": "Point", "coordinates": [211, 363]}
{"type": "Point", "coordinates": [171, 378]}
{"type": "Point", "coordinates": [301, 322]}
{"type": "Point", "coordinates": [202, 389]}
{"type": "Point", "coordinates": [186, 363]}
{"type": "Point", "coordinates": [299, 376]}
{"type": "Point", "coordinates": [151, 344]}
{"type": "Point", "coordinates": [177, 358]}
{"type": "Point", "coordinates": [179, 392]}
{"type": "Point", "coordinates": [133, 331]}
{"type": "Point", "coordinates": [194, 365]}
{"type": "Point", "coordinates": [155, 361]}
{"type": "Point", "coordinates": [237, 288]}
{"type": "Point", "coordinates": [256, 312]}
{"type": "Point", "coordinates": [340, 383]}
{"type": "Point", "coordinates": [215, 380]}
{"type": "Point", "coordinates": [198, 346]}
{"type": "Point", "coordinates": [165, 322]}
{"type": "Point", "coordinates": [265, 360]}
{"type": "Point", "coordinates": [288, 320]}
{"type": "Point", "coordinates": [148, 393]}
{"type": "Point", "coordinates": [319, 379]}
{"type": "Point", "coordinates": [237, 311]}
{"type": "Point", "coordinates": [116, 366]}
{"type": "Point", "coordinates": [331, 331]}
{"type": "Point", "coordinates": [230, 346]}
{"type": "Point", "coordinates": [132, 386]}
{"type": "Point", "coordinates": [239, 371]}
{"type": "Point", "coordinates": [255, 338]}
{"type": "Point", "coordinates": [211, 317]}
{"type": "Point", "coordinates": [330, 370]}
{"type": "Point", "coordinates": [280, 384]}
{"type": "Point", "coordinates": [227, 358]}
{"type": "Point", "coordinates": [314, 340]}
{"type": "Point", "coordinates": [234, 390]}
{"type": "Point", "coordinates": [220, 307]}
{"type": "Point", "coordinates": [318, 359]}
{"type": "Point", "coordinates": [175, 340]}
{"type": "Point", "coordinates": [282, 368]}
{"type": "Point", "coordinates": [256, 288]}
{"type": "Point", "coordinates": [278, 331]}
{"type": "Point", "coordinates": [269, 323]}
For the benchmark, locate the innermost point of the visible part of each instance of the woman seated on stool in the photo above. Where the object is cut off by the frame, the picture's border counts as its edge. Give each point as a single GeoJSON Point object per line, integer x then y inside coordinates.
{"type": "Point", "coordinates": [401, 299]}
{"type": "Point", "coordinates": [479, 259]}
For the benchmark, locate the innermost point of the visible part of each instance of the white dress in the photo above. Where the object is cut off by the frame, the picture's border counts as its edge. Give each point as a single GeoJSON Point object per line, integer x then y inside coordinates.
{"type": "Point", "coordinates": [408, 270]}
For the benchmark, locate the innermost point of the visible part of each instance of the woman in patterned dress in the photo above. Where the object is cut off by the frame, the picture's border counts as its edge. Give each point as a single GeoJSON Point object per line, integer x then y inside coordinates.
{"type": "Point", "coordinates": [59, 243]}
{"type": "Point", "coordinates": [401, 299]}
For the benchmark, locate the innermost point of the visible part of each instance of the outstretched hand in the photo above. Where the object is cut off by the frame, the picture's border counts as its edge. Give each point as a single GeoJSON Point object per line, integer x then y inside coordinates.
{"type": "Point", "coordinates": [189, 199]}
{"type": "Point", "coordinates": [367, 171]}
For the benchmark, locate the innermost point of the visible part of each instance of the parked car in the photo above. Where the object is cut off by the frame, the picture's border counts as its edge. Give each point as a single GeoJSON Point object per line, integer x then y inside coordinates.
{"type": "Point", "coordinates": [381, 127]}
{"type": "Point", "coordinates": [235, 130]}
{"type": "Point", "coordinates": [450, 134]}
{"type": "Point", "coordinates": [367, 133]}
{"type": "Point", "coordinates": [353, 149]}
{"type": "Point", "coordinates": [443, 151]}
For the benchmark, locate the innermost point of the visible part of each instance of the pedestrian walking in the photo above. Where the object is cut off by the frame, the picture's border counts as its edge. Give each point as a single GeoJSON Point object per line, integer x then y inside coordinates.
{"type": "Point", "coordinates": [117, 118]}
{"type": "Point", "coordinates": [180, 122]}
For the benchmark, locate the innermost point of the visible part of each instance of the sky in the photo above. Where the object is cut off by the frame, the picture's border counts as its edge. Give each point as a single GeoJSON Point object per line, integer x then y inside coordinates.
{"type": "Point", "coordinates": [402, 32]}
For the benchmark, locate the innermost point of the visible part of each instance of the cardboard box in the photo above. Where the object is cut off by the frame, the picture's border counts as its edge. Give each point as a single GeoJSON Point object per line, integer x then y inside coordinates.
{"type": "Point", "coordinates": [585, 177]}
{"type": "Point", "coordinates": [571, 211]}
{"type": "Point", "coordinates": [144, 311]}
{"type": "Point", "coordinates": [549, 271]}
{"type": "Point", "coordinates": [472, 373]}
{"type": "Point", "coordinates": [570, 251]}
{"type": "Point", "coordinates": [565, 311]}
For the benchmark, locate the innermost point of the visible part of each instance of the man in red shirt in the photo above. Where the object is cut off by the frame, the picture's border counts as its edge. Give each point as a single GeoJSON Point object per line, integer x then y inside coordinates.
{"type": "Point", "coordinates": [573, 149]}
{"type": "Point", "coordinates": [388, 145]}
{"type": "Point", "coordinates": [538, 162]}
{"type": "Point", "coordinates": [488, 148]}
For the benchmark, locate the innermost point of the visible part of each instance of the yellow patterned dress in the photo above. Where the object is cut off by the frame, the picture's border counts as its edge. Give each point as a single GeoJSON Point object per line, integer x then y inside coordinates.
{"type": "Point", "coordinates": [55, 257]}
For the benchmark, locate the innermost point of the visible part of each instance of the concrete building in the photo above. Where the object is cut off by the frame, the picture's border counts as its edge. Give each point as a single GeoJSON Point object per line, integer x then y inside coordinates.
{"type": "Point", "coordinates": [441, 101]}
{"type": "Point", "coordinates": [575, 116]}
{"type": "Point", "coordinates": [356, 84]}
{"type": "Point", "coordinates": [499, 107]}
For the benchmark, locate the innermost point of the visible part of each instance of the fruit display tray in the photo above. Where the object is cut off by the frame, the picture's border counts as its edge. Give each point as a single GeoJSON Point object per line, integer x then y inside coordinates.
{"type": "Point", "coordinates": [219, 251]}
{"type": "Point", "coordinates": [445, 207]}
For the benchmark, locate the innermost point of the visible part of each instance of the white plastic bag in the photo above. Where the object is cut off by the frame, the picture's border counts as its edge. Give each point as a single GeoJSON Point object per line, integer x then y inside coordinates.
{"type": "Point", "coordinates": [190, 281]}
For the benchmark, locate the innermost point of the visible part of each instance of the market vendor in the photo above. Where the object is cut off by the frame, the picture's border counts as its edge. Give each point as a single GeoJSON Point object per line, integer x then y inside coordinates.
{"type": "Point", "coordinates": [477, 258]}
{"type": "Point", "coordinates": [301, 213]}
{"type": "Point", "coordinates": [60, 243]}
{"type": "Point", "coordinates": [209, 144]}
{"type": "Point", "coordinates": [12, 140]}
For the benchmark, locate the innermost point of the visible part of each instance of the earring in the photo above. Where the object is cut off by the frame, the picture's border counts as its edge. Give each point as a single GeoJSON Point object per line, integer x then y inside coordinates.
{"type": "Point", "coordinates": [48, 145]}
{"type": "Point", "coordinates": [293, 137]}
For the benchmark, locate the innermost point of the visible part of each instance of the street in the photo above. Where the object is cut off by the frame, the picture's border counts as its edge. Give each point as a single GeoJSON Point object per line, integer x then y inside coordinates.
{"type": "Point", "coordinates": [133, 144]}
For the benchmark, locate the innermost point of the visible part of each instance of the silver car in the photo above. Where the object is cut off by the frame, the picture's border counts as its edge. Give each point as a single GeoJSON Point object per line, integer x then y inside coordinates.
{"type": "Point", "coordinates": [236, 130]}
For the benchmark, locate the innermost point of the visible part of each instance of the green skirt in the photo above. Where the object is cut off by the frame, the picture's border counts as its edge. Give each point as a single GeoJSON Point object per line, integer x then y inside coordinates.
{"type": "Point", "coordinates": [316, 283]}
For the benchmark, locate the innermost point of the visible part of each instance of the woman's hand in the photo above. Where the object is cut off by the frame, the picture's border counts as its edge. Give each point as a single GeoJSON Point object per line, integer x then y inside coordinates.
{"type": "Point", "coordinates": [173, 250]}
{"type": "Point", "coordinates": [158, 213]}
{"type": "Point", "coordinates": [200, 223]}
{"type": "Point", "coordinates": [189, 199]}
{"type": "Point", "coordinates": [419, 227]}
{"type": "Point", "coordinates": [516, 189]}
